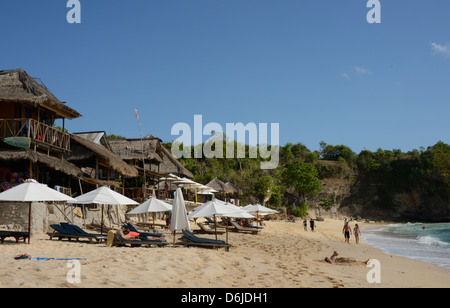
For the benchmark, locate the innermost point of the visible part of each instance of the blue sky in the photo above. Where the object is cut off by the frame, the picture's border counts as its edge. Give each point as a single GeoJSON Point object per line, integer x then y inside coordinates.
{"type": "Point", "coordinates": [316, 67]}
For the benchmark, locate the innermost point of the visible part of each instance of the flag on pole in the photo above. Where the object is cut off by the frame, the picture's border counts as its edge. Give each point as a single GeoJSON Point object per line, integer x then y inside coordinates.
{"type": "Point", "coordinates": [135, 110]}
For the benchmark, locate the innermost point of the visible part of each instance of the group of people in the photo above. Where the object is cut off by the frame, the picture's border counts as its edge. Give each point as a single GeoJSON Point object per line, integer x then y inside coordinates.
{"type": "Point", "coordinates": [312, 224]}
{"type": "Point", "coordinates": [347, 231]}
{"type": "Point", "coordinates": [9, 179]}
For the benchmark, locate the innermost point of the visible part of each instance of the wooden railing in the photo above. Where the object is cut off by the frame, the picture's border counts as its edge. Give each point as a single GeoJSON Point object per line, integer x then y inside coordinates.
{"type": "Point", "coordinates": [39, 133]}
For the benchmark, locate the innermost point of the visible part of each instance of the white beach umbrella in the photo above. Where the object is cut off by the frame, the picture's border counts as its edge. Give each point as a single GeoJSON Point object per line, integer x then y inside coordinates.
{"type": "Point", "coordinates": [219, 208]}
{"type": "Point", "coordinates": [258, 208]}
{"type": "Point", "coordinates": [32, 191]}
{"type": "Point", "coordinates": [104, 195]}
{"type": "Point", "coordinates": [152, 205]}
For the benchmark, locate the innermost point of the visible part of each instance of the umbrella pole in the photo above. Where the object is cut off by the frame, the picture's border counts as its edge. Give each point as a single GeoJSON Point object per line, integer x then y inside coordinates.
{"type": "Point", "coordinates": [227, 229]}
{"type": "Point", "coordinates": [101, 223]}
{"type": "Point", "coordinates": [174, 238]}
{"type": "Point", "coordinates": [29, 223]}
{"type": "Point", "coordinates": [215, 226]}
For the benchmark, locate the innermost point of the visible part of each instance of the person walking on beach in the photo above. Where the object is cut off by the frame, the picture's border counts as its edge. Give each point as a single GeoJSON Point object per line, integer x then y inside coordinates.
{"type": "Point", "coordinates": [347, 230]}
{"type": "Point", "coordinates": [312, 224]}
{"type": "Point", "coordinates": [356, 233]}
{"type": "Point", "coordinates": [305, 224]}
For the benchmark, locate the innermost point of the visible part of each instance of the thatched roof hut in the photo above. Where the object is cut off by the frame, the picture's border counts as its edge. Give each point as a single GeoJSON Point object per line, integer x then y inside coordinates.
{"type": "Point", "coordinates": [171, 165]}
{"type": "Point", "coordinates": [225, 188]}
{"type": "Point", "coordinates": [130, 150]}
{"type": "Point", "coordinates": [220, 186]}
{"type": "Point", "coordinates": [235, 190]}
{"type": "Point", "coordinates": [85, 153]}
{"type": "Point", "coordinates": [16, 86]}
{"type": "Point", "coordinates": [9, 153]}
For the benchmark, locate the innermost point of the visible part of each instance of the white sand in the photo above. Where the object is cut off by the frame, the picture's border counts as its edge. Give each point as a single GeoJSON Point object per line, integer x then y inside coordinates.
{"type": "Point", "coordinates": [283, 255]}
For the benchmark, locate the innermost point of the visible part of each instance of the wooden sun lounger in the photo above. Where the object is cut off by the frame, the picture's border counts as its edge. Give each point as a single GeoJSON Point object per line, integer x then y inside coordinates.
{"type": "Point", "coordinates": [210, 230]}
{"type": "Point", "coordinates": [15, 234]}
{"type": "Point", "coordinates": [240, 228]}
{"type": "Point", "coordinates": [151, 225]}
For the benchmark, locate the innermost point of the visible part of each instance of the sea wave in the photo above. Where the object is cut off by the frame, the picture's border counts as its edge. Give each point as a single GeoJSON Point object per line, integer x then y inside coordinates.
{"type": "Point", "coordinates": [430, 240]}
{"type": "Point", "coordinates": [424, 242]}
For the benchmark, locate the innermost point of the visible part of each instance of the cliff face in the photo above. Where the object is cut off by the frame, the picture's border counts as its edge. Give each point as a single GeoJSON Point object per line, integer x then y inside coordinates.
{"type": "Point", "coordinates": [376, 202]}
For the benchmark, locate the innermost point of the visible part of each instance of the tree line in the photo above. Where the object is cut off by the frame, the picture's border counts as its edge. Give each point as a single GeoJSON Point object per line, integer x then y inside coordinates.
{"type": "Point", "coordinates": [300, 173]}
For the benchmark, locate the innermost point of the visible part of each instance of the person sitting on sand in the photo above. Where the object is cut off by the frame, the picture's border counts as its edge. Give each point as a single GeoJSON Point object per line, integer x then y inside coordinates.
{"type": "Point", "coordinates": [335, 260]}
{"type": "Point", "coordinates": [125, 234]}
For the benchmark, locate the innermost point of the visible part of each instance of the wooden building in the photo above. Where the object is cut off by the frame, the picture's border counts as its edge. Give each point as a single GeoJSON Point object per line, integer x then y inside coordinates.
{"type": "Point", "coordinates": [30, 146]}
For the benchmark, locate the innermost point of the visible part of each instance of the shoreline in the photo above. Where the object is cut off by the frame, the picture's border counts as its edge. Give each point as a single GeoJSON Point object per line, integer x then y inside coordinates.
{"type": "Point", "coordinates": [283, 255]}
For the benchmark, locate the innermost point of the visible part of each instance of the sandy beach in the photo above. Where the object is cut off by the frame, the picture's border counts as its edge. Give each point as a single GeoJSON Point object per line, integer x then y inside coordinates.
{"type": "Point", "coordinates": [283, 255]}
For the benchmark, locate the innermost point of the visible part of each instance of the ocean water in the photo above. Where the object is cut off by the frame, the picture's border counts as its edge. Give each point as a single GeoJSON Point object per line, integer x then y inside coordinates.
{"type": "Point", "coordinates": [428, 242]}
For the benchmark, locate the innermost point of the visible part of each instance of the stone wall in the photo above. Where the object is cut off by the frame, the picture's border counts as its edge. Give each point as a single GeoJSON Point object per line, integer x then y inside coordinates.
{"type": "Point", "coordinates": [14, 216]}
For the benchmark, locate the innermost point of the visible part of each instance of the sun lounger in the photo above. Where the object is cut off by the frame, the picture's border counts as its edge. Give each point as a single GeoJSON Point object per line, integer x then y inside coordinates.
{"type": "Point", "coordinates": [209, 220]}
{"type": "Point", "coordinates": [15, 234]}
{"type": "Point", "coordinates": [67, 231]}
{"type": "Point", "coordinates": [119, 241]}
{"type": "Point", "coordinates": [210, 230]}
{"type": "Point", "coordinates": [240, 228]}
{"type": "Point", "coordinates": [132, 228]}
{"type": "Point", "coordinates": [193, 240]}
{"type": "Point", "coordinates": [151, 225]}
{"type": "Point", "coordinates": [81, 232]}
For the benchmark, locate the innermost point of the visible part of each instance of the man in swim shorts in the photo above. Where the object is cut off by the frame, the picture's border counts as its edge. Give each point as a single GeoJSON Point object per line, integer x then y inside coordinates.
{"type": "Point", "coordinates": [347, 232]}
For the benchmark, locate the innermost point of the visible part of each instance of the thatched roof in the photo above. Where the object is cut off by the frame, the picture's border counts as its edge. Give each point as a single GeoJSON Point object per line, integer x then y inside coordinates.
{"type": "Point", "coordinates": [98, 137]}
{"type": "Point", "coordinates": [129, 149]}
{"type": "Point", "coordinates": [17, 86]}
{"type": "Point", "coordinates": [83, 149]}
{"type": "Point", "coordinates": [227, 188]}
{"type": "Point", "coordinates": [171, 165]}
{"type": "Point", "coordinates": [12, 154]}
{"type": "Point", "coordinates": [235, 190]}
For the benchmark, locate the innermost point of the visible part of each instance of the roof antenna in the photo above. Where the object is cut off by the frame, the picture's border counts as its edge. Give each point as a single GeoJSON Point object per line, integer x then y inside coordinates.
{"type": "Point", "coordinates": [143, 156]}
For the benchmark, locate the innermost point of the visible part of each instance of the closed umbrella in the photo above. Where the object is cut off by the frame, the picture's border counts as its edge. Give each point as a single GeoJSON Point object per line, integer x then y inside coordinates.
{"type": "Point", "coordinates": [32, 191]}
{"type": "Point", "coordinates": [179, 219]}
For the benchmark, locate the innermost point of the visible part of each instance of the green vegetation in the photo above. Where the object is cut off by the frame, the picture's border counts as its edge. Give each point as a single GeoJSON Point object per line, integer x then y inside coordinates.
{"type": "Point", "coordinates": [300, 173]}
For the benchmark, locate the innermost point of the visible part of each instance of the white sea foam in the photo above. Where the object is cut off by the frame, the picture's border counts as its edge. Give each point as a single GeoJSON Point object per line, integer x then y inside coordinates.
{"type": "Point", "coordinates": [424, 242]}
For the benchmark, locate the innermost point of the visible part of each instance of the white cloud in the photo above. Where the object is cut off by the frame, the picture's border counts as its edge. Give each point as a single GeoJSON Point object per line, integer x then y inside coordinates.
{"type": "Point", "coordinates": [438, 49]}
{"type": "Point", "coordinates": [345, 75]}
{"type": "Point", "coordinates": [362, 71]}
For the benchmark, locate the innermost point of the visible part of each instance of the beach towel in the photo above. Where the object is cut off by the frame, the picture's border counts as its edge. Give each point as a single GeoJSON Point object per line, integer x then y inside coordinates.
{"type": "Point", "coordinates": [28, 257]}
{"type": "Point", "coordinates": [57, 259]}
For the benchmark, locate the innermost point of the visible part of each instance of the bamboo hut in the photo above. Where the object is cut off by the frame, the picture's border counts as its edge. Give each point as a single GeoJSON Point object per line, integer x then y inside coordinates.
{"type": "Point", "coordinates": [171, 165]}
{"type": "Point", "coordinates": [31, 145]}
{"type": "Point", "coordinates": [228, 191]}
{"type": "Point", "coordinates": [100, 165]}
